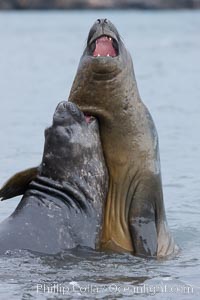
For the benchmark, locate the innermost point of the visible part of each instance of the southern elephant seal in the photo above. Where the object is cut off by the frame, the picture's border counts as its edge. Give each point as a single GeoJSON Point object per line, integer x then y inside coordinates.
{"type": "Point", "coordinates": [63, 206]}
{"type": "Point", "coordinates": [105, 87]}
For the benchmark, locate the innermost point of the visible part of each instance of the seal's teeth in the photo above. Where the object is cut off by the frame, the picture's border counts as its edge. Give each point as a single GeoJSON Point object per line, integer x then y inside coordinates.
{"type": "Point", "coordinates": [108, 54]}
{"type": "Point", "coordinates": [110, 38]}
{"type": "Point", "coordinates": [98, 54]}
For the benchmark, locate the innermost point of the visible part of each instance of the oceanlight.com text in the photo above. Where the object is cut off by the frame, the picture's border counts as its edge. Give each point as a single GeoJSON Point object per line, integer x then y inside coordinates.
{"type": "Point", "coordinates": [81, 289]}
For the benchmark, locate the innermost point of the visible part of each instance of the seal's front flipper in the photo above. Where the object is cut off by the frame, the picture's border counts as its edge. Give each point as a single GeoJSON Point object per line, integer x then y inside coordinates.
{"type": "Point", "coordinates": [142, 222]}
{"type": "Point", "coordinates": [18, 183]}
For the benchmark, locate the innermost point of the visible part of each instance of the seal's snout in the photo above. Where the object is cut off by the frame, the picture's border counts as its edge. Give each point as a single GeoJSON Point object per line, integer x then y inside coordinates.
{"type": "Point", "coordinates": [67, 113]}
{"type": "Point", "coordinates": [73, 110]}
{"type": "Point", "coordinates": [61, 107]}
{"type": "Point", "coordinates": [103, 39]}
{"type": "Point", "coordinates": [102, 21]}
{"type": "Point", "coordinates": [78, 114]}
{"type": "Point", "coordinates": [65, 107]}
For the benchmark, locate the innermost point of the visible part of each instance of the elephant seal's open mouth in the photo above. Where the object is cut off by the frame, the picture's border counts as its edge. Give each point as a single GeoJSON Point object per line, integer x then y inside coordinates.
{"type": "Point", "coordinates": [104, 46]}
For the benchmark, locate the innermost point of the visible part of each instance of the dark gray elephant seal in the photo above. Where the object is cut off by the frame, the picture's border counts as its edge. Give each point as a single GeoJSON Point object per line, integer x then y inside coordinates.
{"type": "Point", "coordinates": [105, 87]}
{"type": "Point", "coordinates": [63, 206]}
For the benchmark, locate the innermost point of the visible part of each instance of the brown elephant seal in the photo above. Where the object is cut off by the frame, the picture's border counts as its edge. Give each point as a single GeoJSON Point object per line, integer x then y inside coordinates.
{"type": "Point", "coordinates": [105, 87]}
{"type": "Point", "coordinates": [63, 206]}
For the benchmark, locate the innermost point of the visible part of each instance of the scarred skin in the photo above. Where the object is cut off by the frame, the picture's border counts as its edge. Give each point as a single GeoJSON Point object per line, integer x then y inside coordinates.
{"type": "Point", "coordinates": [63, 205]}
{"type": "Point", "coordinates": [106, 88]}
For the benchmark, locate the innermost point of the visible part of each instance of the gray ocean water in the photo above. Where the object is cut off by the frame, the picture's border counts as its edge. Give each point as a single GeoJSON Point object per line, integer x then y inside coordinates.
{"type": "Point", "coordinates": [39, 55]}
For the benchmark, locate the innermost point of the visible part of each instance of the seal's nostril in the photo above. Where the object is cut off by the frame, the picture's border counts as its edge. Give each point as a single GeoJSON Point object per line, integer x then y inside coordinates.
{"type": "Point", "coordinates": [61, 106]}
{"type": "Point", "coordinates": [73, 109]}
{"type": "Point", "coordinates": [106, 21]}
{"type": "Point", "coordinates": [98, 21]}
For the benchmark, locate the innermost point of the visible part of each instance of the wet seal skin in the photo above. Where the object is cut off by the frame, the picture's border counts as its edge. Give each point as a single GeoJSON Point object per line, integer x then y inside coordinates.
{"type": "Point", "coordinates": [63, 206]}
{"type": "Point", "coordinates": [105, 87]}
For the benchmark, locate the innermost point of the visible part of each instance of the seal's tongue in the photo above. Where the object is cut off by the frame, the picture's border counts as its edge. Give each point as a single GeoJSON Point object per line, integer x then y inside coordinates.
{"type": "Point", "coordinates": [104, 47]}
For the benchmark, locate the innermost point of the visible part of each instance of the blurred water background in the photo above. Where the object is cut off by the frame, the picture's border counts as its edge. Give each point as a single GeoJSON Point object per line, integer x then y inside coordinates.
{"type": "Point", "coordinates": [39, 55]}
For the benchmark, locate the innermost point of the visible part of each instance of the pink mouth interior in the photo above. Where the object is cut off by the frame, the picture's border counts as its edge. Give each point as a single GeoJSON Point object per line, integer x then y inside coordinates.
{"type": "Point", "coordinates": [104, 47]}
{"type": "Point", "coordinates": [87, 118]}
